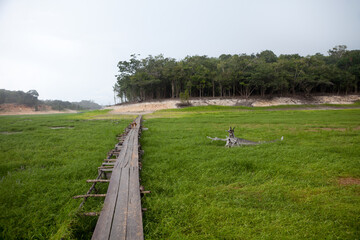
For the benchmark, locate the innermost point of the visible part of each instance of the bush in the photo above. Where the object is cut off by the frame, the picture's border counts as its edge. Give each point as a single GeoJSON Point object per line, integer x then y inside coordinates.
{"type": "Point", "coordinates": [184, 97]}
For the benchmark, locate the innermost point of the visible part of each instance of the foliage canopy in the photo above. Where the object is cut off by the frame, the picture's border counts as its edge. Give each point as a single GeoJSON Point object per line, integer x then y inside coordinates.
{"type": "Point", "coordinates": [239, 75]}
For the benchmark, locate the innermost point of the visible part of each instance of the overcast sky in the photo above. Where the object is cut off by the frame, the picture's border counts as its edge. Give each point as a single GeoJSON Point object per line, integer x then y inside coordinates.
{"type": "Point", "coordinates": [69, 49]}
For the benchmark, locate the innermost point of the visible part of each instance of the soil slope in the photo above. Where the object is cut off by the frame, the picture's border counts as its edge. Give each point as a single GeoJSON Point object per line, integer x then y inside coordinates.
{"type": "Point", "coordinates": [148, 107]}
{"type": "Point", "coordinates": [15, 109]}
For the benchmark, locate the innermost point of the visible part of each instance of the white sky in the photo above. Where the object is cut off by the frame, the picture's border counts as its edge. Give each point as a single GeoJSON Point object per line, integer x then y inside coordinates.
{"type": "Point", "coordinates": [69, 49]}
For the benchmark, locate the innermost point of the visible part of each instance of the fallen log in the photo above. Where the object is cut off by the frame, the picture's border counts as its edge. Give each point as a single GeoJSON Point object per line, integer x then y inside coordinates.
{"type": "Point", "coordinates": [232, 141]}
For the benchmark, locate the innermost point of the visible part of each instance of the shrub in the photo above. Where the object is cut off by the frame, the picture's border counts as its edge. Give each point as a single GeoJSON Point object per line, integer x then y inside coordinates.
{"type": "Point", "coordinates": [184, 97]}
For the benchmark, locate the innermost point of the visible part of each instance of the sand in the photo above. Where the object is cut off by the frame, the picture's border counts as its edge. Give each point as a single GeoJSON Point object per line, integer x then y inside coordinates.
{"type": "Point", "coordinates": [149, 107]}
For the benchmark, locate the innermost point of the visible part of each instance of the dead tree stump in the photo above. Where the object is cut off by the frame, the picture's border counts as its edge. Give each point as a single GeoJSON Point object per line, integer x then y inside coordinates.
{"type": "Point", "coordinates": [232, 141]}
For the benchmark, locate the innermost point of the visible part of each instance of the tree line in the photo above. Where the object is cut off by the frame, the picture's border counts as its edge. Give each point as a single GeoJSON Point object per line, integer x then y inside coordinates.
{"type": "Point", "coordinates": [156, 77]}
{"type": "Point", "coordinates": [62, 105]}
{"type": "Point", "coordinates": [30, 99]}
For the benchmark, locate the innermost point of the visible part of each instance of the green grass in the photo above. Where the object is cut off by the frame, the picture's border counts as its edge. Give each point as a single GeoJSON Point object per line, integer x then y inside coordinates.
{"type": "Point", "coordinates": [282, 190]}
{"type": "Point", "coordinates": [200, 189]}
{"type": "Point", "coordinates": [41, 169]}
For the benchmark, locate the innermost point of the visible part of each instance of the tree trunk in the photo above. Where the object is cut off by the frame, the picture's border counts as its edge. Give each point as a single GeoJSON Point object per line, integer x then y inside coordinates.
{"type": "Point", "coordinates": [234, 89]}
{"type": "Point", "coordinates": [213, 88]}
{"type": "Point", "coordinates": [356, 88]}
{"type": "Point", "coordinates": [262, 91]}
{"type": "Point", "coordinates": [172, 89]}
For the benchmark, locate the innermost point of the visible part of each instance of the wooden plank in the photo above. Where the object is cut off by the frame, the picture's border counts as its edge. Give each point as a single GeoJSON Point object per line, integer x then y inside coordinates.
{"type": "Point", "coordinates": [114, 152]}
{"type": "Point", "coordinates": [91, 214]}
{"type": "Point", "coordinates": [134, 161]}
{"type": "Point", "coordinates": [105, 169]}
{"type": "Point", "coordinates": [103, 226]}
{"type": "Point", "coordinates": [125, 162]}
{"type": "Point", "coordinates": [108, 164]}
{"type": "Point", "coordinates": [121, 216]}
{"type": "Point", "coordinates": [134, 227]}
{"type": "Point", "coordinates": [98, 180]}
{"type": "Point", "coordinates": [119, 227]}
{"type": "Point", "coordinates": [118, 230]}
{"type": "Point", "coordinates": [89, 195]}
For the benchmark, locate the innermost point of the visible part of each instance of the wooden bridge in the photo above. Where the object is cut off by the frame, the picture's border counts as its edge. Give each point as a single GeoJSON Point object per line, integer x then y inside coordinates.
{"type": "Point", "coordinates": [121, 216]}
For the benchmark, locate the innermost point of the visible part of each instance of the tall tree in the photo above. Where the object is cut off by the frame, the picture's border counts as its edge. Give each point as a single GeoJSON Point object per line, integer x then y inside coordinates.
{"type": "Point", "coordinates": [239, 74]}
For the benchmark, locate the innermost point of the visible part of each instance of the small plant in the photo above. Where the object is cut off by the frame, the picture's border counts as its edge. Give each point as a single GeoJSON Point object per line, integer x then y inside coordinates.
{"type": "Point", "coordinates": [184, 98]}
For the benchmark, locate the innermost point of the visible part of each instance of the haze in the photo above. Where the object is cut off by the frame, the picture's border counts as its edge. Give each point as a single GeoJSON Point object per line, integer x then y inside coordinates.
{"type": "Point", "coordinates": [69, 50]}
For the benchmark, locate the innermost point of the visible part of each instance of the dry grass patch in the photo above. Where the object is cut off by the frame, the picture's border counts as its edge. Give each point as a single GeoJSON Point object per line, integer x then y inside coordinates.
{"type": "Point", "coordinates": [356, 128]}
{"type": "Point", "coordinates": [349, 181]}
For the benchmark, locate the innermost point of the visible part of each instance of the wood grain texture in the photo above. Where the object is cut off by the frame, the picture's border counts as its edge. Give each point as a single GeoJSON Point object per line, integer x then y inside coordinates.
{"type": "Point", "coordinates": [121, 216]}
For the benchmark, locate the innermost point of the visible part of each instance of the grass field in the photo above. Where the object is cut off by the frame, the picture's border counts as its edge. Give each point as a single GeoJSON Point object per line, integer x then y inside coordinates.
{"type": "Point", "coordinates": [44, 162]}
{"type": "Point", "coordinates": [301, 188]}
{"type": "Point", "coordinates": [284, 190]}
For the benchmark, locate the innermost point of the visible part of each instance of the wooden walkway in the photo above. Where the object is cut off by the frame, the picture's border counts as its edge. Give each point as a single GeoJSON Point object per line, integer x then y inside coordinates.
{"type": "Point", "coordinates": [121, 216]}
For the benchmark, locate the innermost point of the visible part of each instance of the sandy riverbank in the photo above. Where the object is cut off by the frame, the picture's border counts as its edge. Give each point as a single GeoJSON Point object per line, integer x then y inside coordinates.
{"type": "Point", "coordinates": [148, 107]}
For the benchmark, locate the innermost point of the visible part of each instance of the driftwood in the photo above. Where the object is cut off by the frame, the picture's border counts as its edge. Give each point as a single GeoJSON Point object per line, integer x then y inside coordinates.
{"type": "Point", "coordinates": [232, 141]}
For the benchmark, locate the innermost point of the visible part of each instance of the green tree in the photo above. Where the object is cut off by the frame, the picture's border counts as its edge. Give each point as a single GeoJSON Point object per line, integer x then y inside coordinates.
{"type": "Point", "coordinates": [350, 62]}
{"type": "Point", "coordinates": [239, 74]}
{"type": "Point", "coordinates": [336, 53]}
{"type": "Point", "coordinates": [268, 55]}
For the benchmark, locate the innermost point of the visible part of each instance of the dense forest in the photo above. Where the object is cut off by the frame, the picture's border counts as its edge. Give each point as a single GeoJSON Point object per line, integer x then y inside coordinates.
{"type": "Point", "coordinates": [239, 75]}
{"type": "Point", "coordinates": [30, 99]}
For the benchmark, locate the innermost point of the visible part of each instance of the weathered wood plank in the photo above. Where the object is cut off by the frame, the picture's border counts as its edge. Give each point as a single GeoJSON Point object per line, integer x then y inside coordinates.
{"type": "Point", "coordinates": [103, 226]}
{"type": "Point", "coordinates": [118, 229]}
{"type": "Point", "coordinates": [110, 160]}
{"type": "Point", "coordinates": [121, 216]}
{"type": "Point", "coordinates": [108, 164]}
{"type": "Point", "coordinates": [125, 162]}
{"type": "Point", "coordinates": [89, 195]}
{"type": "Point", "coordinates": [134, 227]}
{"type": "Point", "coordinates": [134, 221]}
{"type": "Point", "coordinates": [134, 161]}
{"type": "Point", "coordinates": [103, 169]}
{"type": "Point", "coordinates": [98, 180]}
{"type": "Point", "coordinates": [91, 214]}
